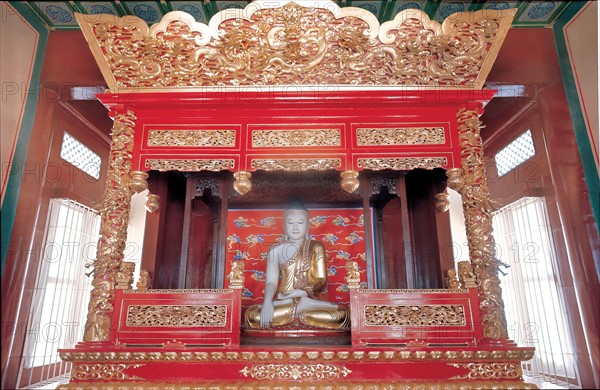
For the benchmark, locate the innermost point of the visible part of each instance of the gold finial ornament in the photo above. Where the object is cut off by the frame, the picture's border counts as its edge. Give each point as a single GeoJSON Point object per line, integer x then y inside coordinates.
{"type": "Point", "coordinates": [152, 203]}
{"type": "Point", "coordinates": [350, 181]}
{"type": "Point", "coordinates": [466, 276]}
{"type": "Point", "coordinates": [442, 201]}
{"type": "Point", "coordinates": [242, 183]}
{"type": "Point", "coordinates": [455, 179]}
{"type": "Point", "coordinates": [145, 281]}
{"type": "Point", "coordinates": [124, 276]}
{"type": "Point", "coordinates": [452, 280]}
{"type": "Point", "coordinates": [236, 276]}
{"type": "Point", "coordinates": [352, 274]}
{"type": "Point", "coordinates": [138, 181]}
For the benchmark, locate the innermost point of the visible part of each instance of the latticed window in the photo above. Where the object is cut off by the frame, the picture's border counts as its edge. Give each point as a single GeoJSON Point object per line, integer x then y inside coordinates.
{"type": "Point", "coordinates": [76, 153]}
{"type": "Point", "coordinates": [62, 291]}
{"type": "Point", "coordinates": [533, 297]}
{"type": "Point", "coordinates": [515, 153]}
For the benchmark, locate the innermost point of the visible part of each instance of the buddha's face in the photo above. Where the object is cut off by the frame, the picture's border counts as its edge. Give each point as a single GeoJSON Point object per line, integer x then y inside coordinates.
{"type": "Point", "coordinates": [296, 226]}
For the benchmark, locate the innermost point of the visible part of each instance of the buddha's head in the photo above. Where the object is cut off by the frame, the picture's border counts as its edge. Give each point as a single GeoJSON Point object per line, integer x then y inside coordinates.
{"type": "Point", "coordinates": [295, 221]}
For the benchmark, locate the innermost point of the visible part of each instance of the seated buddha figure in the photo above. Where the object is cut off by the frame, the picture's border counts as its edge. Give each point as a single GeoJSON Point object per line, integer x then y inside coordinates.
{"type": "Point", "coordinates": [296, 276]}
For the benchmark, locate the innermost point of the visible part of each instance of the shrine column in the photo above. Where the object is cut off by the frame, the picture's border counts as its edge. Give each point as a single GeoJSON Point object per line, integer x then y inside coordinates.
{"type": "Point", "coordinates": [471, 182]}
{"type": "Point", "coordinates": [114, 207]}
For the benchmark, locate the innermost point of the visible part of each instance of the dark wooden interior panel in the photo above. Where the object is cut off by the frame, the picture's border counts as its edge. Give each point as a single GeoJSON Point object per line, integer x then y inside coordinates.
{"type": "Point", "coordinates": [393, 244]}
{"type": "Point", "coordinates": [170, 187]}
{"type": "Point", "coordinates": [421, 187]}
{"type": "Point", "coordinates": [200, 252]}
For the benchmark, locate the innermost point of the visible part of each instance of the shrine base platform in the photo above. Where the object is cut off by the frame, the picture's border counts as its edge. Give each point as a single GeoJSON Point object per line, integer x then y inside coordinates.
{"type": "Point", "coordinates": [292, 366]}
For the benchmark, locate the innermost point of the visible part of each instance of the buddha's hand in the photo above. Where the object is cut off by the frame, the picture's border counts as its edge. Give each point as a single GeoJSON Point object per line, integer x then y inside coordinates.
{"type": "Point", "coordinates": [293, 294]}
{"type": "Point", "coordinates": [266, 314]}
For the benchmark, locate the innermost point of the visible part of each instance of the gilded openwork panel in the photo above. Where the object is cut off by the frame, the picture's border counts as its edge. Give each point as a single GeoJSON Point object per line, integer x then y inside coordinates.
{"type": "Point", "coordinates": [297, 44]}
{"type": "Point", "coordinates": [190, 165]}
{"type": "Point", "coordinates": [296, 164]}
{"type": "Point", "coordinates": [414, 315]}
{"type": "Point", "coordinates": [177, 315]}
{"type": "Point", "coordinates": [310, 372]}
{"type": "Point", "coordinates": [401, 163]}
{"type": "Point", "coordinates": [296, 138]}
{"type": "Point", "coordinates": [192, 138]}
{"type": "Point", "coordinates": [382, 136]}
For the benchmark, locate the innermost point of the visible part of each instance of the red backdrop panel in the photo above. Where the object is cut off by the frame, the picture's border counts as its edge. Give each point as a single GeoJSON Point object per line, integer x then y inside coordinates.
{"type": "Point", "coordinates": [250, 233]}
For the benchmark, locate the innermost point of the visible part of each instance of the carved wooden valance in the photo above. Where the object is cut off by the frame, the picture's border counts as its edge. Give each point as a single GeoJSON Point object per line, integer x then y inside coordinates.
{"type": "Point", "coordinates": [297, 43]}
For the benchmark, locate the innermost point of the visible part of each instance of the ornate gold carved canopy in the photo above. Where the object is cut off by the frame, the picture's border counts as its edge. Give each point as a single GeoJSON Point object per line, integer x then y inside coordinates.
{"type": "Point", "coordinates": [297, 43]}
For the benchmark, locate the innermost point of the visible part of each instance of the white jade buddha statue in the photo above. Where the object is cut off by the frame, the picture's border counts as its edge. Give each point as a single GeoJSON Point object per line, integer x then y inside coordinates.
{"type": "Point", "coordinates": [301, 263]}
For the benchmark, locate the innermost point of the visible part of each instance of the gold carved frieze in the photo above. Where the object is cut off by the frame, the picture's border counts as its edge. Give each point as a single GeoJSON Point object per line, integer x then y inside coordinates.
{"type": "Point", "coordinates": [297, 43]}
{"type": "Point", "coordinates": [177, 315]}
{"type": "Point", "coordinates": [411, 291]}
{"type": "Point", "coordinates": [297, 372]}
{"type": "Point", "coordinates": [358, 355]}
{"type": "Point", "coordinates": [286, 385]}
{"type": "Point", "coordinates": [401, 163]}
{"type": "Point", "coordinates": [296, 138]}
{"type": "Point", "coordinates": [380, 136]}
{"type": "Point", "coordinates": [490, 370]}
{"type": "Point", "coordinates": [192, 138]}
{"type": "Point", "coordinates": [183, 291]}
{"type": "Point", "coordinates": [296, 164]}
{"type": "Point", "coordinates": [103, 371]}
{"type": "Point", "coordinates": [414, 315]}
{"type": "Point", "coordinates": [190, 165]}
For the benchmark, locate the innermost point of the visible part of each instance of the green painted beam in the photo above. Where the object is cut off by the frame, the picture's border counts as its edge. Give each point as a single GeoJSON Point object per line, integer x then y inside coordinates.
{"type": "Point", "coordinates": [581, 135]}
{"type": "Point", "coordinates": [13, 187]}
{"type": "Point", "coordinates": [386, 11]}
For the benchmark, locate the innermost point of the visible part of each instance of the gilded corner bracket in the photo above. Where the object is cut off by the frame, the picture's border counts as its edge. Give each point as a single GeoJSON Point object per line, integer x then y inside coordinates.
{"type": "Point", "coordinates": [471, 182]}
{"type": "Point", "coordinates": [114, 207]}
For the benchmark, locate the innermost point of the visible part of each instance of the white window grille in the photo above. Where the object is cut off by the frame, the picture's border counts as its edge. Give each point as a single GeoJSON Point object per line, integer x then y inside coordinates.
{"type": "Point", "coordinates": [515, 153]}
{"type": "Point", "coordinates": [62, 291]}
{"type": "Point", "coordinates": [534, 302]}
{"type": "Point", "coordinates": [76, 153]}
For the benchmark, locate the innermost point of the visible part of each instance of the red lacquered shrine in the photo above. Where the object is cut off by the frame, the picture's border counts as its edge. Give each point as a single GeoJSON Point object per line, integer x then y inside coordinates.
{"type": "Point", "coordinates": [222, 122]}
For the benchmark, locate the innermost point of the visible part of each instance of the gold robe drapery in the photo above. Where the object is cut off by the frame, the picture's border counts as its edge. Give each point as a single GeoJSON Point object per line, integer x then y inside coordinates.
{"type": "Point", "coordinates": [306, 270]}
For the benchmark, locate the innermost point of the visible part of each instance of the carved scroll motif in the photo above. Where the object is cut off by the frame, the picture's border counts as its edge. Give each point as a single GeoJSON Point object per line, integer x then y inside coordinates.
{"type": "Point", "coordinates": [177, 315]}
{"type": "Point", "coordinates": [190, 138]}
{"type": "Point", "coordinates": [478, 220]}
{"type": "Point", "coordinates": [312, 372]}
{"type": "Point", "coordinates": [413, 315]}
{"type": "Point", "coordinates": [400, 136]}
{"type": "Point", "coordinates": [114, 207]}
{"type": "Point", "coordinates": [295, 138]}
{"type": "Point", "coordinates": [490, 370]}
{"type": "Point", "coordinates": [189, 165]}
{"type": "Point", "coordinates": [106, 371]}
{"type": "Point", "coordinates": [402, 163]}
{"type": "Point", "coordinates": [297, 44]}
{"type": "Point", "coordinates": [296, 164]}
